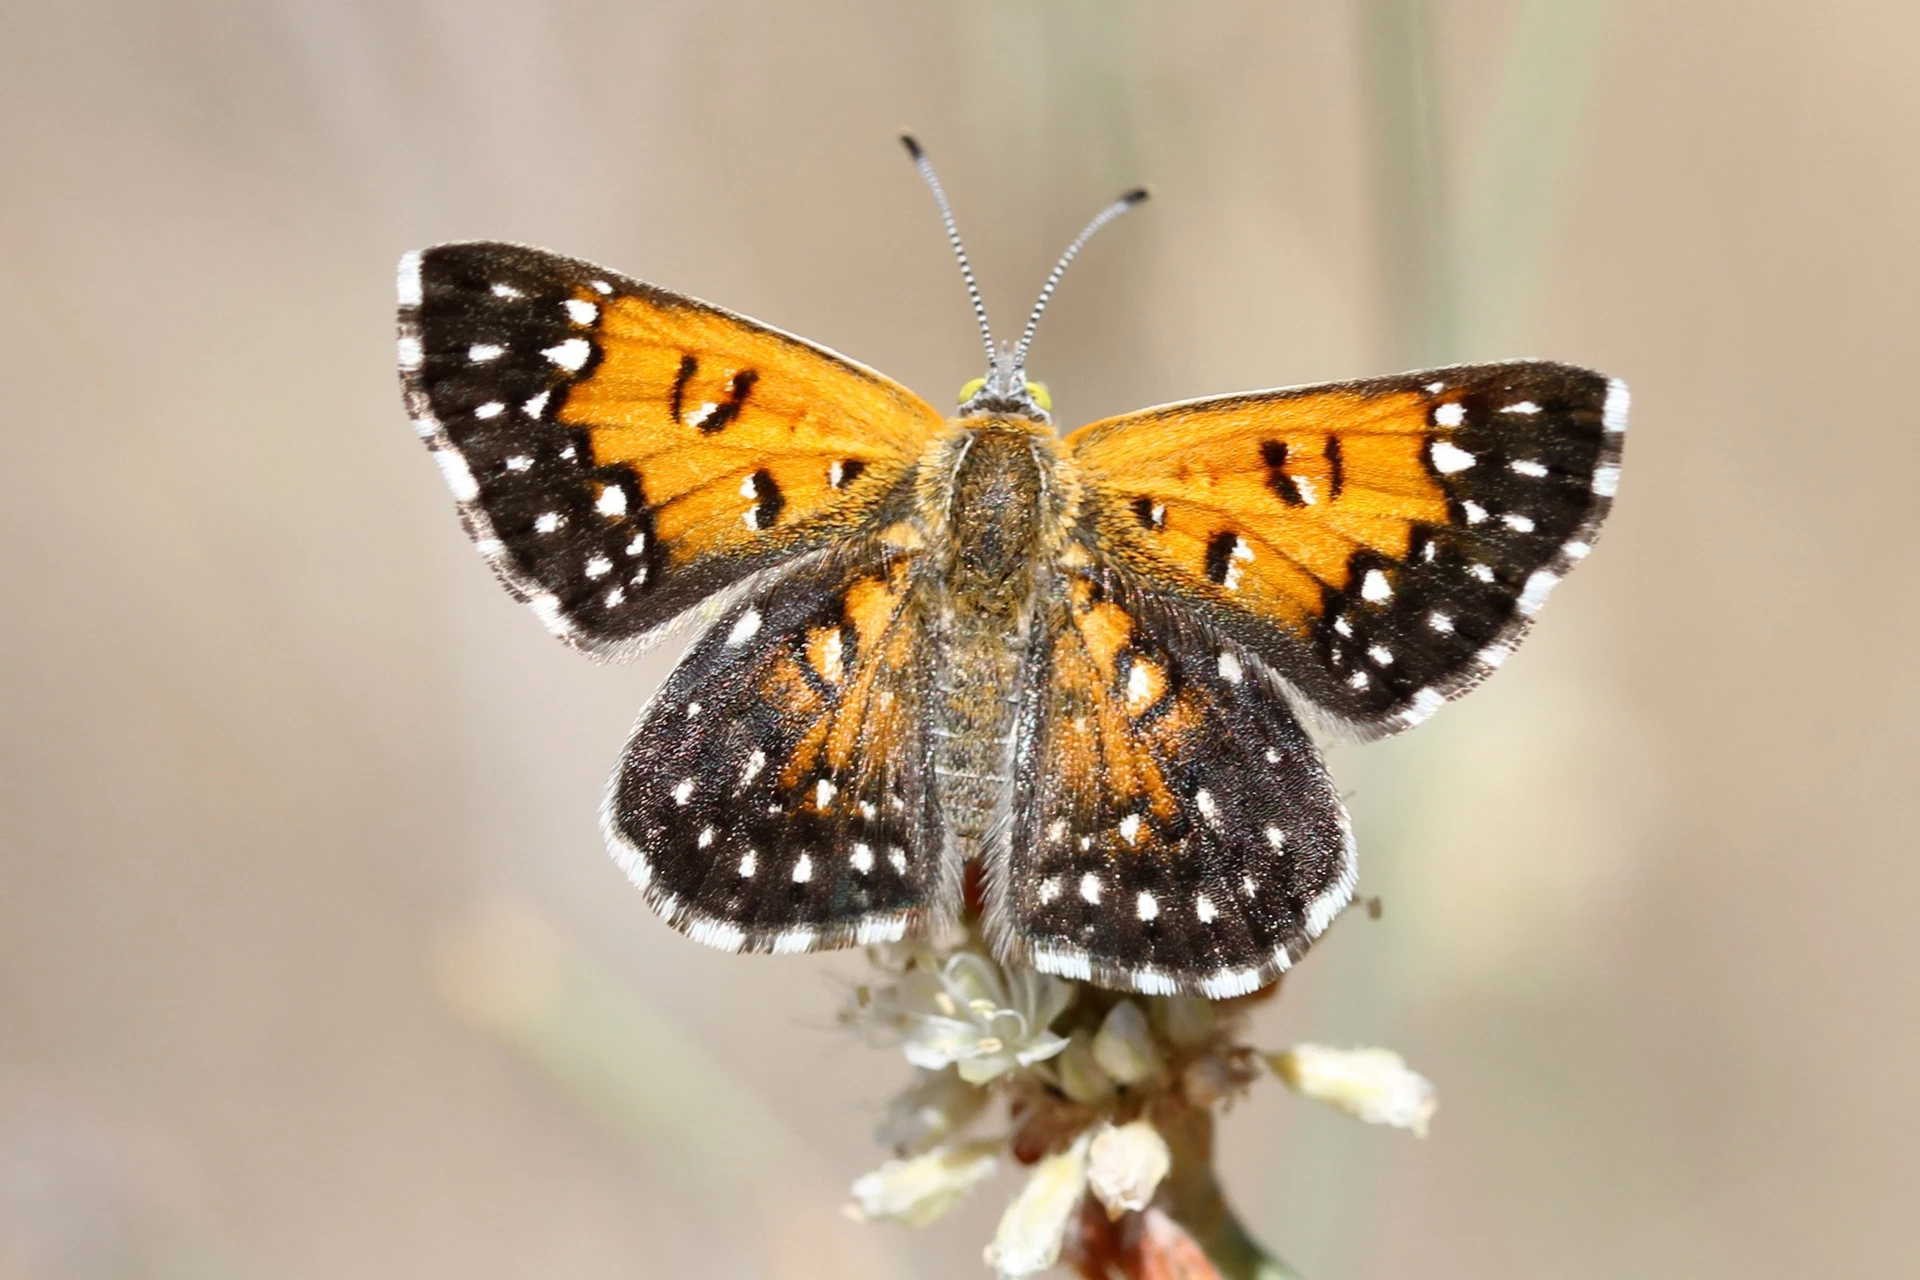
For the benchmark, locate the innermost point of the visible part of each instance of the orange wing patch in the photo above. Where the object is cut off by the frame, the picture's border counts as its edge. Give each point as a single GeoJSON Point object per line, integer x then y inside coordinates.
{"type": "Point", "coordinates": [842, 681]}
{"type": "Point", "coordinates": [1115, 716]}
{"type": "Point", "coordinates": [1262, 501]}
{"type": "Point", "coordinates": [738, 433]}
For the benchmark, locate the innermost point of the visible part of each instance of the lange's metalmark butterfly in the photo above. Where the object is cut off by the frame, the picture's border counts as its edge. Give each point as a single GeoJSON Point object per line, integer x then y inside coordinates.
{"type": "Point", "coordinates": [1080, 663]}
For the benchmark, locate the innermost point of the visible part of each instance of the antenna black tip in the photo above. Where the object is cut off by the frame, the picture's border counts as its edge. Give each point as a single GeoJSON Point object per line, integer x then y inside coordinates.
{"type": "Point", "coordinates": [913, 147]}
{"type": "Point", "coordinates": [1135, 196]}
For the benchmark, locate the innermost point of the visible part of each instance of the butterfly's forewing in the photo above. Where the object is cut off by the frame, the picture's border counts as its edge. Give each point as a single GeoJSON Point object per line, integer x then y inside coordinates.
{"type": "Point", "coordinates": [776, 794]}
{"type": "Point", "coordinates": [1381, 544]}
{"type": "Point", "coordinates": [620, 452]}
{"type": "Point", "coordinates": [1173, 827]}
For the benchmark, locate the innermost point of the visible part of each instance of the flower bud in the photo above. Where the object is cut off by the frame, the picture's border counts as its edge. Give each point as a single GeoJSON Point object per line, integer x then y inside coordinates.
{"type": "Point", "coordinates": [1374, 1085]}
{"type": "Point", "coordinates": [921, 1189]}
{"type": "Point", "coordinates": [1125, 1164]}
{"type": "Point", "coordinates": [1124, 1048]}
{"type": "Point", "coordinates": [1035, 1225]}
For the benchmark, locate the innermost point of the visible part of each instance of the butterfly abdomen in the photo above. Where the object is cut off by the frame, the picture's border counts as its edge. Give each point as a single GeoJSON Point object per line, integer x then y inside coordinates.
{"type": "Point", "coordinates": [994, 525]}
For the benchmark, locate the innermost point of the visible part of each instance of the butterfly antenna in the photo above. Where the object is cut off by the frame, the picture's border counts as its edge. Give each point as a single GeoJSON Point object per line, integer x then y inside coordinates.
{"type": "Point", "coordinates": [925, 166]}
{"type": "Point", "coordinates": [1100, 220]}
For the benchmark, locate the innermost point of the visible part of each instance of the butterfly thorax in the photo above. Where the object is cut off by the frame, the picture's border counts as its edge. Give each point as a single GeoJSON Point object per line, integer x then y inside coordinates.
{"type": "Point", "coordinates": [997, 485]}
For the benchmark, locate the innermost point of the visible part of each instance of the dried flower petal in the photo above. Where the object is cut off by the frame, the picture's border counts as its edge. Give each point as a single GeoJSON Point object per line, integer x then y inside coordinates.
{"type": "Point", "coordinates": [1034, 1226]}
{"type": "Point", "coordinates": [1374, 1085]}
{"type": "Point", "coordinates": [1124, 1048]}
{"type": "Point", "coordinates": [921, 1189]}
{"type": "Point", "coordinates": [1125, 1164]}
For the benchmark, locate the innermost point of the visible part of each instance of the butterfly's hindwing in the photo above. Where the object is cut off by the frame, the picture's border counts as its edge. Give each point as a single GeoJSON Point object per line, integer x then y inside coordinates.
{"type": "Point", "coordinates": [1383, 544]}
{"type": "Point", "coordinates": [620, 452]}
{"type": "Point", "coordinates": [1173, 826]}
{"type": "Point", "coordinates": [776, 795]}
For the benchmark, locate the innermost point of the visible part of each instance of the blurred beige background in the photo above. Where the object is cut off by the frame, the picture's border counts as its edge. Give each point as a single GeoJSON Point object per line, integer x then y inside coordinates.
{"type": "Point", "coordinates": [311, 963]}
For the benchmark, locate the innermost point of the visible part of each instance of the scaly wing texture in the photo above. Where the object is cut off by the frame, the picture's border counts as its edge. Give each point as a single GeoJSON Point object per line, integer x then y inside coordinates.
{"type": "Point", "coordinates": [776, 794]}
{"type": "Point", "coordinates": [1174, 829]}
{"type": "Point", "coordinates": [620, 452]}
{"type": "Point", "coordinates": [1381, 544]}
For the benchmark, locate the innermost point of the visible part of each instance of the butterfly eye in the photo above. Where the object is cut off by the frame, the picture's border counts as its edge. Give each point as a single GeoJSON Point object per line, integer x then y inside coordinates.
{"type": "Point", "coordinates": [971, 389]}
{"type": "Point", "coordinates": [1041, 396]}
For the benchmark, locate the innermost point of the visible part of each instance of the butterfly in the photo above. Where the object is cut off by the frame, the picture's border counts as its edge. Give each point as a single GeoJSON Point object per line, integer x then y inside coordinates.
{"type": "Point", "coordinates": [1083, 665]}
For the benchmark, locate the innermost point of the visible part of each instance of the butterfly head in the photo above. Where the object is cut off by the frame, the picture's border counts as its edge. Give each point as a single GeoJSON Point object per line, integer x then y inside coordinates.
{"type": "Point", "coordinates": [1006, 391]}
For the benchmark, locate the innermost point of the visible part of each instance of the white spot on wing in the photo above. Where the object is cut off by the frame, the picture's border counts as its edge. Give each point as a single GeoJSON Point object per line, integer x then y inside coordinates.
{"type": "Point", "coordinates": [1450, 414]}
{"type": "Point", "coordinates": [491, 409]}
{"type": "Point", "coordinates": [1381, 655]}
{"type": "Point", "coordinates": [507, 291]}
{"type": "Point", "coordinates": [1049, 889]}
{"type": "Point", "coordinates": [1517, 522]}
{"type": "Point", "coordinates": [612, 501]}
{"type": "Point", "coordinates": [1230, 982]}
{"type": "Point", "coordinates": [408, 283]}
{"type": "Point", "coordinates": [1203, 907]}
{"type": "Point", "coordinates": [1474, 512]}
{"type": "Point", "coordinates": [1090, 887]}
{"type": "Point", "coordinates": [1277, 838]}
{"type": "Point", "coordinates": [683, 792]}
{"type": "Point", "coordinates": [581, 311]}
{"type": "Point", "coordinates": [897, 858]}
{"type": "Point", "coordinates": [536, 405]}
{"type": "Point", "coordinates": [459, 479]}
{"type": "Point", "coordinates": [716, 933]}
{"type": "Point", "coordinates": [546, 522]}
{"type": "Point", "coordinates": [883, 929]}
{"type": "Point", "coordinates": [1441, 622]}
{"type": "Point", "coordinates": [1229, 668]}
{"type": "Point", "coordinates": [410, 356]}
{"type": "Point", "coordinates": [793, 942]}
{"type": "Point", "coordinates": [706, 838]}
{"type": "Point", "coordinates": [1203, 801]}
{"type": "Point", "coordinates": [861, 858]}
{"type": "Point", "coordinates": [1139, 686]}
{"type": "Point", "coordinates": [1375, 587]}
{"type": "Point", "coordinates": [1522, 406]}
{"type": "Point", "coordinates": [1130, 828]}
{"type": "Point", "coordinates": [599, 566]}
{"type": "Point", "coordinates": [823, 793]}
{"type": "Point", "coordinates": [755, 763]}
{"type": "Point", "coordinates": [1528, 467]}
{"type": "Point", "coordinates": [743, 629]}
{"type": "Point", "coordinates": [1613, 414]}
{"type": "Point", "coordinates": [570, 355]}
{"type": "Point", "coordinates": [1606, 481]}
{"type": "Point", "coordinates": [1534, 594]}
{"type": "Point", "coordinates": [1576, 550]}
{"type": "Point", "coordinates": [1449, 457]}
{"type": "Point", "coordinates": [802, 869]}
{"type": "Point", "coordinates": [484, 352]}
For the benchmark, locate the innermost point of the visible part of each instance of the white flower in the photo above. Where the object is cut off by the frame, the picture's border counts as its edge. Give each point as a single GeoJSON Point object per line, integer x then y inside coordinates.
{"type": "Point", "coordinates": [1374, 1085]}
{"type": "Point", "coordinates": [968, 1013]}
{"type": "Point", "coordinates": [935, 1107]}
{"type": "Point", "coordinates": [1124, 1047]}
{"type": "Point", "coordinates": [919, 1190]}
{"type": "Point", "coordinates": [1125, 1164]}
{"type": "Point", "coordinates": [1034, 1226]}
